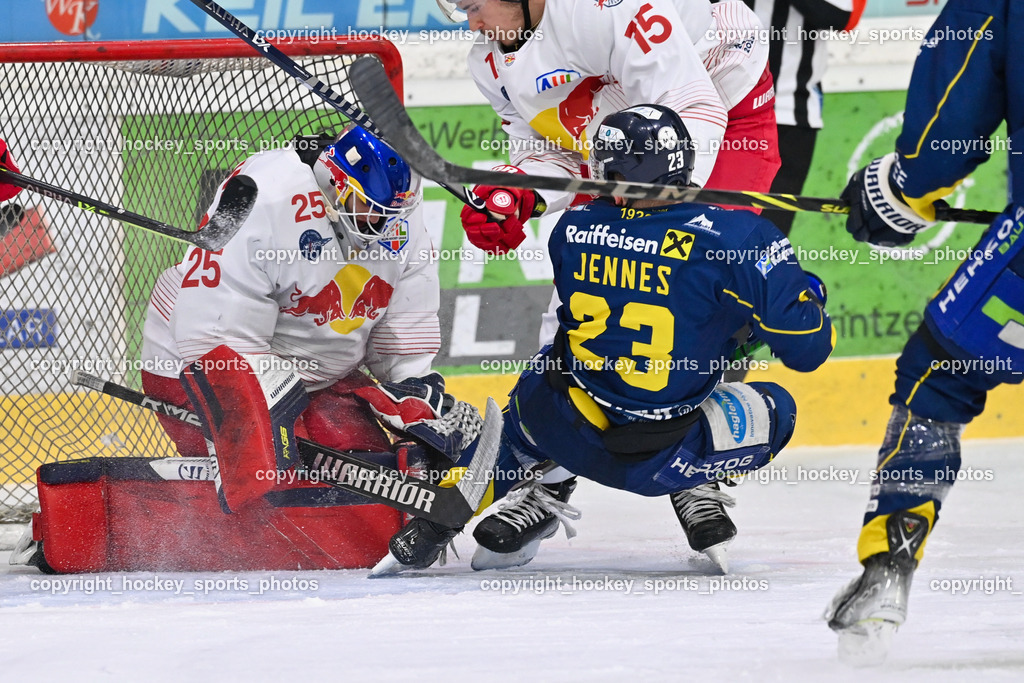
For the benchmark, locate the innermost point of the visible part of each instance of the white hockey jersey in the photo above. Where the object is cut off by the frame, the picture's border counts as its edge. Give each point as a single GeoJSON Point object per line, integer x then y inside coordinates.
{"type": "Point", "coordinates": [286, 285]}
{"type": "Point", "coordinates": [589, 58]}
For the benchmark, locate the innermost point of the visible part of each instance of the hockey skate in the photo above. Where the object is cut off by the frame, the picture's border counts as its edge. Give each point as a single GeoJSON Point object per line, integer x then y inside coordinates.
{"type": "Point", "coordinates": [418, 545]}
{"type": "Point", "coordinates": [530, 514]}
{"type": "Point", "coordinates": [708, 529]}
{"type": "Point", "coordinates": [868, 611]}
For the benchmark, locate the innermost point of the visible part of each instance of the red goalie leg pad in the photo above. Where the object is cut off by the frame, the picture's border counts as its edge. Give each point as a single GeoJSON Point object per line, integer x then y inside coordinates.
{"type": "Point", "coordinates": [117, 514]}
{"type": "Point", "coordinates": [187, 439]}
{"type": "Point", "coordinates": [338, 419]}
{"type": "Point", "coordinates": [249, 414]}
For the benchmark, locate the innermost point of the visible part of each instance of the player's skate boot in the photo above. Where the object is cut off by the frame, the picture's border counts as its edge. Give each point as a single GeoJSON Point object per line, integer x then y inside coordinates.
{"type": "Point", "coordinates": [417, 546]}
{"type": "Point", "coordinates": [708, 529]}
{"type": "Point", "coordinates": [868, 611]}
{"type": "Point", "coordinates": [530, 513]}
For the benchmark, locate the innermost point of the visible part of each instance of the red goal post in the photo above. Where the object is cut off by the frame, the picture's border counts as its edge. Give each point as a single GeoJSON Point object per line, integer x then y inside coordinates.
{"type": "Point", "coordinates": [152, 126]}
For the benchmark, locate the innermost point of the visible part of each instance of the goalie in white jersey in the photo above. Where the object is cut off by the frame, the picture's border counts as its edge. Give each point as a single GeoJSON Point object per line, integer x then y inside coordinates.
{"type": "Point", "coordinates": [331, 272]}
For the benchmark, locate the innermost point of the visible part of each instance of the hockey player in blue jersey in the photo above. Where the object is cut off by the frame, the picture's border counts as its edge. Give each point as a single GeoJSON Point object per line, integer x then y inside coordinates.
{"type": "Point", "coordinates": [656, 297]}
{"type": "Point", "coordinates": [967, 80]}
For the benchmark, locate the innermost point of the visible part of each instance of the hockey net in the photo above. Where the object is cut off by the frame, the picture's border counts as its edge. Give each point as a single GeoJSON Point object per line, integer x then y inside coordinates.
{"type": "Point", "coordinates": [153, 127]}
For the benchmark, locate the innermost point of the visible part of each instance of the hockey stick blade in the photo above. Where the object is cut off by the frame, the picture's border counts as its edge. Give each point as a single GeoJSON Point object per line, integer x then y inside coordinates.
{"type": "Point", "coordinates": [315, 85]}
{"type": "Point", "coordinates": [480, 473]}
{"type": "Point", "coordinates": [375, 482]}
{"type": "Point", "coordinates": [236, 203]}
{"type": "Point", "coordinates": [382, 103]}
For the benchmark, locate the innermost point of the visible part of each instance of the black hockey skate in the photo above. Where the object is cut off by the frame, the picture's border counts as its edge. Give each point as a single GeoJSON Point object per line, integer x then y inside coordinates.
{"type": "Point", "coordinates": [708, 529]}
{"type": "Point", "coordinates": [417, 546]}
{"type": "Point", "coordinates": [530, 513]}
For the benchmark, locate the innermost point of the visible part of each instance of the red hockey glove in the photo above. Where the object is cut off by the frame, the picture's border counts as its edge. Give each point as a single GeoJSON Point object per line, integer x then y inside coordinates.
{"type": "Point", "coordinates": [508, 208]}
{"type": "Point", "coordinates": [401, 404]}
{"type": "Point", "coordinates": [7, 191]}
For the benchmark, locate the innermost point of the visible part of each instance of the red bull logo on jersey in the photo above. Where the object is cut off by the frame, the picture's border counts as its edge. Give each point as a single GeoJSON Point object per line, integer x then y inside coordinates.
{"type": "Point", "coordinates": [553, 79]}
{"type": "Point", "coordinates": [344, 303]}
{"type": "Point", "coordinates": [566, 124]}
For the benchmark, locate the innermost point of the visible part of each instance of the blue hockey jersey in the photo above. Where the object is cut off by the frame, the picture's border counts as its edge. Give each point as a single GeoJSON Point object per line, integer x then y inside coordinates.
{"type": "Point", "coordinates": [652, 301]}
{"type": "Point", "coordinates": [968, 79]}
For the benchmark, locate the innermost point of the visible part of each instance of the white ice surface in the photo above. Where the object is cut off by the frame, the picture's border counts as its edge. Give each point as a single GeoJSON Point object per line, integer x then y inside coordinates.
{"type": "Point", "coordinates": [798, 537]}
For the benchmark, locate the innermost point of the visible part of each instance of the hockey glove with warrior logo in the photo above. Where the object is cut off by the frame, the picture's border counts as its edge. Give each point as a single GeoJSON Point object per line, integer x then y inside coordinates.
{"type": "Point", "coordinates": [879, 214]}
{"type": "Point", "coordinates": [7, 191]}
{"type": "Point", "coordinates": [501, 228]}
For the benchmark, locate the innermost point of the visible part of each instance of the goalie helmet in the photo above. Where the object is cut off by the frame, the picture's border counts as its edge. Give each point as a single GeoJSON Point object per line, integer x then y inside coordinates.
{"type": "Point", "coordinates": [370, 188]}
{"type": "Point", "coordinates": [646, 144]}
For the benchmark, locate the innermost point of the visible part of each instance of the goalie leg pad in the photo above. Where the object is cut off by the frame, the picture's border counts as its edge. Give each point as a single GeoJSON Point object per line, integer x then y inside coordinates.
{"type": "Point", "coordinates": [187, 439]}
{"type": "Point", "coordinates": [123, 514]}
{"type": "Point", "coordinates": [248, 409]}
{"type": "Point", "coordinates": [337, 418]}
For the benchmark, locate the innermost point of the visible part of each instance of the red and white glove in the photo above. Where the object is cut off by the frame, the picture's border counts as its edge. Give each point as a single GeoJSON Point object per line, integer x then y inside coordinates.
{"type": "Point", "coordinates": [402, 404]}
{"type": "Point", "coordinates": [7, 191]}
{"type": "Point", "coordinates": [500, 229]}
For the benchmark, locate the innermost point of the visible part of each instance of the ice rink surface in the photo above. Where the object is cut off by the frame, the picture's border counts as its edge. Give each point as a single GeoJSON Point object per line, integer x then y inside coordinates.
{"type": "Point", "coordinates": [584, 610]}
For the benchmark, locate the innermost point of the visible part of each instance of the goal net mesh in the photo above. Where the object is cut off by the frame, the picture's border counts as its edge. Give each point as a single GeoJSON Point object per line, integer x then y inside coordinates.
{"type": "Point", "coordinates": [151, 127]}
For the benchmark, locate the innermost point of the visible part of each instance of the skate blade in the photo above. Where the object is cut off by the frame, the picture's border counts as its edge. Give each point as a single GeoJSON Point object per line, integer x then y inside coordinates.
{"type": "Point", "coordinates": [866, 643]}
{"type": "Point", "coordinates": [718, 555]}
{"type": "Point", "coordinates": [488, 559]}
{"type": "Point", "coordinates": [388, 566]}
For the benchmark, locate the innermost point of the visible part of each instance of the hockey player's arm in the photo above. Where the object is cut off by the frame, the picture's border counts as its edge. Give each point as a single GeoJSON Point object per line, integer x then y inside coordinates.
{"type": "Point", "coordinates": [654, 60]}
{"type": "Point", "coordinates": [225, 296]}
{"type": "Point", "coordinates": [777, 296]}
{"type": "Point", "coordinates": [956, 97]}
{"type": "Point", "coordinates": [527, 149]}
{"type": "Point", "coordinates": [405, 341]}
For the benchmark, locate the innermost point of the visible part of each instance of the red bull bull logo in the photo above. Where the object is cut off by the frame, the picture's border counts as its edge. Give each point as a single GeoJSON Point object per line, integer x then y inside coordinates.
{"type": "Point", "coordinates": [566, 124]}
{"type": "Point", "coordinates": [346, 301]}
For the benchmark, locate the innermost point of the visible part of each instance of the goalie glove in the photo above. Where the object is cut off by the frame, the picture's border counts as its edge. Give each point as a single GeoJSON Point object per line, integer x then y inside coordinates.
{"type": "Point", "coordinates": [7, 191]}
{"type": "Point", "coordinates": [413, 400]}
{"type": "Point", "coordinates": [500, 229]}
{"type": "Point", "coordinates": [878, 212]}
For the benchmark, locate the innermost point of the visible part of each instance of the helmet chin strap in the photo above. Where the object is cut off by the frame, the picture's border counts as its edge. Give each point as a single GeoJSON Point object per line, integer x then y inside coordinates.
{"type": "Point", "coordinates": [527, 22]}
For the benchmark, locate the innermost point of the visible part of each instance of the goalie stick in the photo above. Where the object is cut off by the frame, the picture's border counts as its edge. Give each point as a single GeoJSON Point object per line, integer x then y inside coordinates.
{"type": "Point", "coordinates": [381, 101]}
{"type": "Point", "coordinates": [318, 87]}
{"type": "Point", "coordinates": [236, 203]}
{"type": "Point", "coordinates": [451, 506]}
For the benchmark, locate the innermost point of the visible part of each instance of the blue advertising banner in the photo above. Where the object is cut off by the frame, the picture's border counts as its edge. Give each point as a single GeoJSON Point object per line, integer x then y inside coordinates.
{"type": "Point", "coordinates": [48, 20]}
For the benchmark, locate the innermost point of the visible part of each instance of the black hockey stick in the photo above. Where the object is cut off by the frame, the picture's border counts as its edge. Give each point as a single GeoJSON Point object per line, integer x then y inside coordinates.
{"type": "Point", "coordinates": [451, 506]}
{"type": "Point", "coordinates": [236, 203]}
{"type": "Point", "coordinates": [319, 88]}
{"type": "Point", "coordinates": [380, 99]}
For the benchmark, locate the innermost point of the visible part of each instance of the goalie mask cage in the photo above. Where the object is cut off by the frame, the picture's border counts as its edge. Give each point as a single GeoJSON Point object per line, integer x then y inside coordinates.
{"type": "Point", "coordinates": [153, 127]}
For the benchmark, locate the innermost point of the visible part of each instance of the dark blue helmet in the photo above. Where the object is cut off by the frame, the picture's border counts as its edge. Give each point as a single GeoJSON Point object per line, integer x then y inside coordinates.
{"type": "Point", "coordinates": [360, 166]}
{"type": "Point", "coordinates": [647, 143]}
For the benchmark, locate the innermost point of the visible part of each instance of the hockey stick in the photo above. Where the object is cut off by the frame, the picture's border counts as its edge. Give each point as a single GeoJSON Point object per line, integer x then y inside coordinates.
{"type": "Point", "coordinates": [450, 506]}
{"type": "Point", "coordinates": [236, 203]}
{"type": "Point", "coordinates": [318, 87]}
{"type": "Point", "coordinates": [379, 98]}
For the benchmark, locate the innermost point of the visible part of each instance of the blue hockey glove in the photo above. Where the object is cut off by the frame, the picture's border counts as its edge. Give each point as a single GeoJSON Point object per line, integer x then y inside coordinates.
{"type": "Point", "coordinates": [400, 404]}
{"type": "Point", "coordinates": [878, 213]}
{"type": "Point", "coordinates": [816, 288]}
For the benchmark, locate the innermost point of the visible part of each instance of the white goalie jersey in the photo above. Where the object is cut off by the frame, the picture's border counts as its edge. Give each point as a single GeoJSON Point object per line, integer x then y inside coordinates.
{"type": "Point", "coordinates": [589, 58]}
{"type": "Point", "coordinates": [287, 285]}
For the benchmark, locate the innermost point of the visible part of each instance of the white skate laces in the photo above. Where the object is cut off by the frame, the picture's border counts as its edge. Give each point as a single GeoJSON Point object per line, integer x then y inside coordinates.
{"type": "Point", "coordinates": [530, 504]}
{"type": "Point", "coordinates": [701, 504]}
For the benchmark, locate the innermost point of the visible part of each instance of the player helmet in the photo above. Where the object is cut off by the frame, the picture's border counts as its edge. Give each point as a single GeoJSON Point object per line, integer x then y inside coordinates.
{"type": "Point", "coordinates": [455, 10]}
{"type": "Point", "coordinates": [647, 143]}
{"type": "Point", "coordinates": [371, 188]}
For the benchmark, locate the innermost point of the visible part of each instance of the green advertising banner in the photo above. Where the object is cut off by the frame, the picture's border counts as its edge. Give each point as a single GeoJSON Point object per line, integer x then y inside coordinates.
{"type": "Point", "coordinates": [492, 307]}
